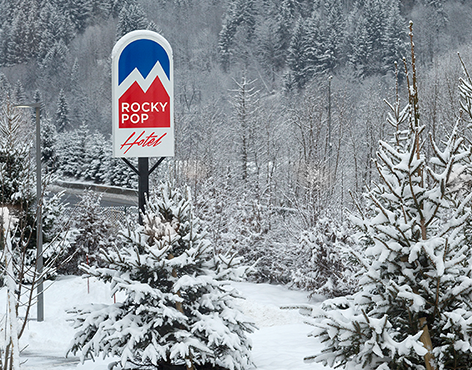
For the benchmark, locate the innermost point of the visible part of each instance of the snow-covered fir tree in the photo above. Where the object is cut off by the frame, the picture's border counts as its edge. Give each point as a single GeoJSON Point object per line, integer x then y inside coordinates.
{"type": "Point", "coordinates": [16, 166]}
{"type": "Point", "coordinates": [413, 310]}
{"type": "Point", "coordinates": [92, 232]}
{"type": "Point", "coordinates": [48, 145]}
{"type": "Point", "coordinates": [62, 113]}
{"type": "Point", "coordinates": [132, 17]}
{"type": "Point", "coordinates": [97, 158]}
{"type": "Point", "coordinates": [71, 150]}
{"type": "Point", "coordinates": [297, 77]}
{"type": "Point", "coordinates": [324, 265]}
{"type": "Point", "coordinates": [179, 308]}
{"type": "Point", "coordinates": [118, 173]}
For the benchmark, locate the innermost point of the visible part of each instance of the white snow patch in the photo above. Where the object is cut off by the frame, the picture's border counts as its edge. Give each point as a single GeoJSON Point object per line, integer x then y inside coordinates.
{"type": "Point", "coordinates": [281, 342]}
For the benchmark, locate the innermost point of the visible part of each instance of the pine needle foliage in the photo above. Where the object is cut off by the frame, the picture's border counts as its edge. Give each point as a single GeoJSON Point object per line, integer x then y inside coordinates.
{"type": "Point", "coordinates": [413, 310]}
{"type": "Point", "coordinates": [179, 307]}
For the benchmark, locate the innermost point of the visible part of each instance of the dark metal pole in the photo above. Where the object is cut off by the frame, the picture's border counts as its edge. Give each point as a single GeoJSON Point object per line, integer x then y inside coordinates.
{"type": "Point", "coordinates": [143, 185]}
{"type": "Point", "coordinates": [39, 231]}
{"type": "Point", "coordinates": [329, 122]}
{"type": "Point", "coordinates": [39, 215]}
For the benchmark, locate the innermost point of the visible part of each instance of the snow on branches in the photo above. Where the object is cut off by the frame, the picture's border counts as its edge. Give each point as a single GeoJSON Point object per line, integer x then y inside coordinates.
{"type": "Point", "coordinates": [179, 308]}
{"type": "Point", "coordinates": [413, 310]}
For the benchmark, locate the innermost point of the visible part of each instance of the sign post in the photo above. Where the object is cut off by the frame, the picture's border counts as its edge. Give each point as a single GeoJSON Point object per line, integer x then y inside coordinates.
{"type": "Point", "coordinates": [143, 103]}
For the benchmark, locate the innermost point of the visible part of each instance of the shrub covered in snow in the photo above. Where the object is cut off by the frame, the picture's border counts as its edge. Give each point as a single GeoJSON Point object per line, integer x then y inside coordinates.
{"type": "Point", "coordinates": [179, 308]}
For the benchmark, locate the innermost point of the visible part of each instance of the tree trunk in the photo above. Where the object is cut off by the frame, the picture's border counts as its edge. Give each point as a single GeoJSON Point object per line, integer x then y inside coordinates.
{"type": "Point", "coordinates": [426, 340]}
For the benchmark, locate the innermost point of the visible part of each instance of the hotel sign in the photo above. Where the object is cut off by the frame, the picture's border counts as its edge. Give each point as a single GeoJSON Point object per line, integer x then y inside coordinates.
{"type": "Point", "coordinates": [143, 96]}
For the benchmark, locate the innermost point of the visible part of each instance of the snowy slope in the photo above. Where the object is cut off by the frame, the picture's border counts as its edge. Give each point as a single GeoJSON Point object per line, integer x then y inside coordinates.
{"type": "Point", "coordinates": [280, 343]}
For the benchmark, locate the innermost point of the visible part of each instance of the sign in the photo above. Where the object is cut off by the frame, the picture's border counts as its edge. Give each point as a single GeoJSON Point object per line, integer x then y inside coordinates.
{"type": "Point", "coordinates": [143, 96]}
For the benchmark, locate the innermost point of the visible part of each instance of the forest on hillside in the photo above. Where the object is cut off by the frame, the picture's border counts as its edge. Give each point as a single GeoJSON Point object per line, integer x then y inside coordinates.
{"type": "Point", "coordinates": [279, 104]}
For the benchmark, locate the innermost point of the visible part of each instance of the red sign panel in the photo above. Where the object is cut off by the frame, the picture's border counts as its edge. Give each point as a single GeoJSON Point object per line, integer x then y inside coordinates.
{"type": "Point", "coordinates": [139, 109]}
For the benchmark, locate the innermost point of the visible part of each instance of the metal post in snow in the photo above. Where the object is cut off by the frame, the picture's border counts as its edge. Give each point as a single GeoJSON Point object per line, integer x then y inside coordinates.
{"type": "Point", "coordinates": [39, 231]}
{"type": "Point", "coordinates": [143, 185]}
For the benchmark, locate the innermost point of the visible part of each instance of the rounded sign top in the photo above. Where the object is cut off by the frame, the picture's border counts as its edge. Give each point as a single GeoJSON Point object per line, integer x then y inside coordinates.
{"type": "Point", "coordinates": [150, 53]}
{"type": "Point", "coordinates": [142, 96]}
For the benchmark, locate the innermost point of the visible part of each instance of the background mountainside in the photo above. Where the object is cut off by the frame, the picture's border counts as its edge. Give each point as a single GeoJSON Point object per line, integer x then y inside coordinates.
{"type": "Point", "coordinates": [279, 103]}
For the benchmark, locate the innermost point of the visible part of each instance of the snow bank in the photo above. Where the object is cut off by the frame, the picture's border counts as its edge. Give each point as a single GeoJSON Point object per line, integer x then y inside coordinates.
{"type": "Point", "coordinates": [281, 342]}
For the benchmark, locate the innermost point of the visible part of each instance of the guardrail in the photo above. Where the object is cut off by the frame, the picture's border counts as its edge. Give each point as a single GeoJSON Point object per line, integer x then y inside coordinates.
{"type": "Point", "coordinates": [116, 215]}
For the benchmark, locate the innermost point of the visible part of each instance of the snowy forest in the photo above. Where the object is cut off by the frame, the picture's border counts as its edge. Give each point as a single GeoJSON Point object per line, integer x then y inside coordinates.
{"type": "Point", "coordinates": [279, 104]}
{"type": "Point", "coordinates": [317, 138]}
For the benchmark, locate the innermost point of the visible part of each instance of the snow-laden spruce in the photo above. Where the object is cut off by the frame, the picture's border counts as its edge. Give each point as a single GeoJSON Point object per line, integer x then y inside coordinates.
{"type": "Point", "coordinates": [324, 265]}
{"type": "Point", "coordinates": [414, 307]}
{"type": "Point", "coordinates": [179, 307]}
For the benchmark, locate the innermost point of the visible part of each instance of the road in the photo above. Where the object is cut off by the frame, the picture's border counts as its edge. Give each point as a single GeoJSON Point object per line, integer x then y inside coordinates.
{"type": "Point", "coordinates": [111, 196]}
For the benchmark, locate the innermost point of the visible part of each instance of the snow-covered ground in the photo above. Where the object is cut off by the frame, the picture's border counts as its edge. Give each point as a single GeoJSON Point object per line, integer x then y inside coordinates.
{"type": "Point", "coordinates": [280, 343]}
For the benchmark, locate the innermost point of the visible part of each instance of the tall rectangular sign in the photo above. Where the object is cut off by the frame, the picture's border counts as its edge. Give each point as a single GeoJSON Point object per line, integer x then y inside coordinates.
{"type": "Point", "coordinates": [143, 96]}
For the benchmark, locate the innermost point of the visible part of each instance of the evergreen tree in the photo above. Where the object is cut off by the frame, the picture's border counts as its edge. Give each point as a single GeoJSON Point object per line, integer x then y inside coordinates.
{"type": "Point", "coordinates": [16, 48]}
{"type": "Point", "coordinates": [93, 232]}
{"type": "Point", "coordinates": [54, 25]}
{"type": "Point", "coordinates": [54, 63]}
{"type": "Point", "coordinates": [316, 53]}
{"type": "Point", "coordinates": [119, 174]}
{"type": "Point", "coordinates": [297, 57]}
{"type": "Point", "coordinates": [394, 40]}
{"type": "Point", "coordinates": [19, 95]}
{"type": "Point", "coordinates": [284, 20]}
{"type": "Point", "coordinates": [376, 19]}
{"type": "Point", "coordinates": [225, 43]}
{"type": "Point", "coordinates": [79, 12]}
{"type": "Point", "coordinates": [378, 39]}
{"type": "Point", "coordinates": [333, 35]}
{"type": "Point", "coordinates": [413, 310]}
{"type": "Point", "coordinates": [5, 88]}
{"type": "Point", "coordinates": [78, 97]}
{"type": "Point", "coordinates": [16, 166]}
{"type": "Point", "coordinates": [71, 151]}
{"type": "Point", "coordinates": [48, 145]}
{"type": "Point", "coordinates": [359, 49]}
{"type": "Point", "coordinates": [324, 265]}
{"type": "Point", "coordinates": [100, 10]}
{"type": "Point", "coordinates": [62, 113]}
{"type": "Point", "coordinates": [96, 158]}
{"type": "Point", "coordinates": [179, 308]}
{"type": "Point", "coordinates": [131, 18]}
{"type": "Point", "coordinates": [237, 32]}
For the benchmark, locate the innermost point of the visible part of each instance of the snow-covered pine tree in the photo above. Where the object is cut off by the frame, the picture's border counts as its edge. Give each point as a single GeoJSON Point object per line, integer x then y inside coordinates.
{"type": "Point", "coordinates": [178, 310]}
{"type": "Point", "coordinates": [62, 113]}
{"type": "Point", "coordinates": [48, 145]}
{"type": "Point", "coordinates": [324, 265]}
{"type": "Point", "coordinates": [71, 151]}
{"type": "Point", "coordinates": [53, 24]}
{"type": "Point", "coordinates": [394, 38]}
{"type": "Point", "coordinates": [132, 17]}
{"type": "Point", "coordinates": [413, 310]}
{"type": "Point", "coordinates": [237, 32]}
{"type": "Point", "coordinates": [5, 88]}
{"type": "Point", "coordinates": [119, 174]}
{"type": "Point", "coordinates": [93, 232]}
{"type": "Point", "coordinates": [297, 57]}
{"type": "Point", "coordinates": [16, 165]}
{"type": "Point", "coordinates": [98, 155]}
{"type": "Point", "coordinates": [79, 12]}
{"type": "Point", "coordinates": [284, 20]}
{"type": "Point", "coordinates": [333, 35]}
